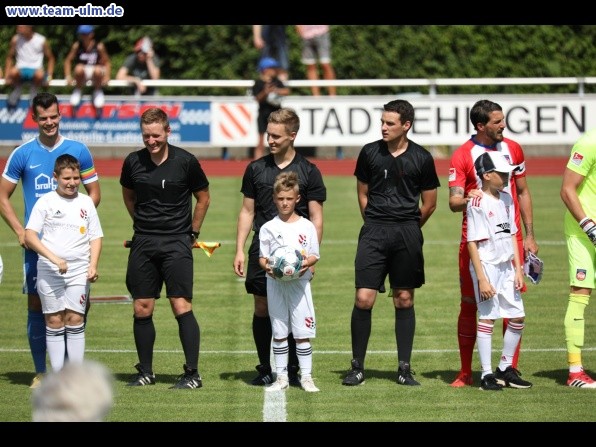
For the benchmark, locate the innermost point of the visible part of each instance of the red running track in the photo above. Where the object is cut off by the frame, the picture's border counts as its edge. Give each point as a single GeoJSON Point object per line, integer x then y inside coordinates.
{"type": "Point", "coordinates": [217, 167]}
{"type": "Point", "coordinates": [235, 168]}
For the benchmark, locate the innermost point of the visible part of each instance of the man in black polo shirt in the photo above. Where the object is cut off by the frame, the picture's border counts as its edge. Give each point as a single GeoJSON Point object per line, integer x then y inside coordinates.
{"type": "Point", "coordinates": [397, 193]}
{"type": "Point", "coordinates": [158, 183]}
{"type": "Point", "coordinates": [257, 208]}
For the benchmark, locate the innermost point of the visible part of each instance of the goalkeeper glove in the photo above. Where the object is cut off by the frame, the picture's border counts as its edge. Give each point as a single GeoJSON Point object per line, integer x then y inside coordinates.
{"type": "Point", "coordinates": [589, 228]}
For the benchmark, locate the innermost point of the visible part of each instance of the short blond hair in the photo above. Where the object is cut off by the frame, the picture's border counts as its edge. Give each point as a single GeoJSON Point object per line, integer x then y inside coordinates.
{"type": "Point", "coordinates": [79, 392]}
{"type": "Point", "coordinates": [286, 181]}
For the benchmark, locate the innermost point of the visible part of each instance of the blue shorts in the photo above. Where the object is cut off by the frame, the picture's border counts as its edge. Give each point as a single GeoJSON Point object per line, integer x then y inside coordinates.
{"type": "Point", "coordinates": [30, 271]}
{"type": "Point", "coordinates": [27, 74]}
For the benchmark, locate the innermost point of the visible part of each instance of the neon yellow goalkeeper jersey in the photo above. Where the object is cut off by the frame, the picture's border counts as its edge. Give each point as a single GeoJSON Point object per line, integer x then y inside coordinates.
{"type": "Point", "coordinates": [583, 161]}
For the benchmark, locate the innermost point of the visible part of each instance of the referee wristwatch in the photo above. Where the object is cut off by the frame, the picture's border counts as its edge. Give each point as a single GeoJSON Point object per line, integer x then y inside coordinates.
{"type": "Point", "coordinates": [195, 234]}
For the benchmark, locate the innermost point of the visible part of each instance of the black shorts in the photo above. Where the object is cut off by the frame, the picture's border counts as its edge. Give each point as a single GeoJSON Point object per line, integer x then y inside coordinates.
{"type": "Point", "coordinates": [262, 121]}
{"type": "Point", "coordinates": [394, 250]}
{"type": "Point", "coordinates": [256, 278]}
{"type": "Point", "coordinates": [155, 260]}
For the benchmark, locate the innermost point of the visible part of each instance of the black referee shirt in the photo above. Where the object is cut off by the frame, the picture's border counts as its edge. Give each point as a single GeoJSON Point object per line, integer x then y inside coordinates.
{"type": "Point", "coordinates": [258, 179]}
{"type": "Point", "coordinates": [164, 192]}
{"type": "Point", "coordinates": [395, 183]}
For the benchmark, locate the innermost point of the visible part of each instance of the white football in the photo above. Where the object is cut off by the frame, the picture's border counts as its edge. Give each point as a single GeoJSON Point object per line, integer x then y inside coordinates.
{"type": "Point", "coordinates": [286, 263]}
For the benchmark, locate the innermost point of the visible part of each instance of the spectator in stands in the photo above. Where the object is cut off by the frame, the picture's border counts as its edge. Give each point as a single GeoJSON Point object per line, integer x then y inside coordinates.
{"type": "Point", "coordinates": [24, 63]}
{"type": "Point", "coordinates": [140, 65]}
{"type": "Point", "coordinates": [91, 63]}
{"type": "Point", "coordinates": [272, 41]}
{"type": "Point", "coordinates": [316, 47]}
{"type": "Point", "coordinates": [267, 90]}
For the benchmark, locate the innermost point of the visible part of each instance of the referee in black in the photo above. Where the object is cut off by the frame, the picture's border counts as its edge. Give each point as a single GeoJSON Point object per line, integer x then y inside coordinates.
{"type": "Point", "coordinates": [397, 193]}
{"type": "Point", "coordinates": [158, 184]}
{"type": "Point", "coordinates": [257, 208]}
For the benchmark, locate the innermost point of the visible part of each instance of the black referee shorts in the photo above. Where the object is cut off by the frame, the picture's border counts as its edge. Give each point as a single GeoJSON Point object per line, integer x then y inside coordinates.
{"type": "Point", "coordinates": [256, 278]}
{"type": "Point", "coordinates": [157, 260]}
{"type": "Point", "coordinates": [394, 250]}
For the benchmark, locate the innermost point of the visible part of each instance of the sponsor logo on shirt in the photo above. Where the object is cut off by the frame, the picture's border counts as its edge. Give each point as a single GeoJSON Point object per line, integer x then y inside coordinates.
{"type": "Point", "coordinates": [577, 159]}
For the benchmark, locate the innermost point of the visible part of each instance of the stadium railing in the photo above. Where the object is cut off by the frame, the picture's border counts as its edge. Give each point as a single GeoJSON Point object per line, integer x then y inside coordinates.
{"type": "Point", "coordinates": [431, 84]}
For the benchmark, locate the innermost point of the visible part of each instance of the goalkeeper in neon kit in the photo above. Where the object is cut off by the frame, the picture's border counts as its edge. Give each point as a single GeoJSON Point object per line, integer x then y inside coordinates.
{"type": "Point", "coordinates": [578, 193]}
{"type": "Point", "coordinates": [290, 302]}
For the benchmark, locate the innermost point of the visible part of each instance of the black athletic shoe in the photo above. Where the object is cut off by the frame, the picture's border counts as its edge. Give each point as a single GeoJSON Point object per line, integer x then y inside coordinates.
{"type": "Point", "coordinates": [265, 376]}
{"type": "Point", "coordinates": [142, 378]}
{"type": "Point", "coordinates": [511, 378]}
{"type": "Point", "coordinates": [355, 375]}
{"type": "Point", "coordinates": [489, 383]}
{"type": "Point", "coordinates": [293, 375]}
{"type": "Point", "coordinates": [190, 379]}
{"type": "Point", "coordinates": [404, 375]}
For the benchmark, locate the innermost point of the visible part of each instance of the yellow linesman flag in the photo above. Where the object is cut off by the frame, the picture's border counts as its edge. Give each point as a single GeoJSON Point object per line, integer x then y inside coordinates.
{"type": "Point", "coordinates": [208, 247]}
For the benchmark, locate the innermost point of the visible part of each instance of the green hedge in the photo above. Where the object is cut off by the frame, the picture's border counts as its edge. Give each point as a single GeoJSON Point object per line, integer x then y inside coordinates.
{"type": "Point", "coordinates": [359, 52]}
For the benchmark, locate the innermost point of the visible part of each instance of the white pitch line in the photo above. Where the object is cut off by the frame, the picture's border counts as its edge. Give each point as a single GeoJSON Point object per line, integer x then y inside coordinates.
{"type": "Point", "coordinates": [274, 407]}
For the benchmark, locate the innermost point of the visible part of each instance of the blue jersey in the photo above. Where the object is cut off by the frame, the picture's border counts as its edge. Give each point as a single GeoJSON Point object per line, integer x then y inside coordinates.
{"type": "Point", "coordinates": [33, 164]}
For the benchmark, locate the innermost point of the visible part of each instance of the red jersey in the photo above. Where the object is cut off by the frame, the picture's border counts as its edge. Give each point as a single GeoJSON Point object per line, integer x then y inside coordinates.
{"type": "Point", "coordinates": [463, 174]}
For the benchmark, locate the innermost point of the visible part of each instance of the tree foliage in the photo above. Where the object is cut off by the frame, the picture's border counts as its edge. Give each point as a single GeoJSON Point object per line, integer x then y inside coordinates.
{"type": "Point", "coordinates": [358, 52]}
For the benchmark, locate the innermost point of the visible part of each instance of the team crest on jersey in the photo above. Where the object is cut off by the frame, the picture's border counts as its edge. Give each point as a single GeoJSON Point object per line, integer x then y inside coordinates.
{"type": "Point", "coordinates": [310, 322]}
{"type": "Point", "coordinates": [302, 240]}
{"type": "Point", "coordinates": [451, 174]}
{"type": "Point", "coordinates": [577, 159]}
{"type": "Point", "coordinates": [580, 274]}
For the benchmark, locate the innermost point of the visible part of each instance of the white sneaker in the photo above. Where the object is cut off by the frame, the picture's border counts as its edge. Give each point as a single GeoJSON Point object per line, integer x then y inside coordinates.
{"type": "Point", "coordinates": [98, 98]}
{"type": "Point", "coordinates": [75, 98]}
{"type": "Point", "coordinates": [308, 385]}
{"type": "Point", "coordinates": [281, 383]}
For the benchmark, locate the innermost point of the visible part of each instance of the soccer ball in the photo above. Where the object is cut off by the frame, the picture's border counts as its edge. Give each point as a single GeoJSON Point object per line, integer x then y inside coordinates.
{"type": "Point", "coordinates": [286, 263]}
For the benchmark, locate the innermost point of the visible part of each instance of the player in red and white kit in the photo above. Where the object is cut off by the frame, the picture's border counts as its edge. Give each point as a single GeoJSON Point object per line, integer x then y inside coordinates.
{"type": "Point", "coordinates": [488, 120]}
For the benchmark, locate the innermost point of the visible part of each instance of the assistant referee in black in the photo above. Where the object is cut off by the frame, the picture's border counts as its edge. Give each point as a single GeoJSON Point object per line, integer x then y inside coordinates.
{"type": "Point", "coordinates": [158, 183]}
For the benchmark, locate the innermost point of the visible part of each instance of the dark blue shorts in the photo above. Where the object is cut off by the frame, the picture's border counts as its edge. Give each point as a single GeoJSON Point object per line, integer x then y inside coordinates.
{"type": "Point", "coordinates": [30, 269]}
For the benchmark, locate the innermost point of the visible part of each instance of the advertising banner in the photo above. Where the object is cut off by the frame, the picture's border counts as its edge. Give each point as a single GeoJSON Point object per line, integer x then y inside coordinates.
{"type": "Point", "coordinates": [117, 123]}
{"type": "Point", "coordinates": [324, 120]}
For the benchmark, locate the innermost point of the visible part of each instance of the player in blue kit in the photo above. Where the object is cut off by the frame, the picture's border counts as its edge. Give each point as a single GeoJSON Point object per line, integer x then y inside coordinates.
{"type": "Point", "coordinates": [32, 163]}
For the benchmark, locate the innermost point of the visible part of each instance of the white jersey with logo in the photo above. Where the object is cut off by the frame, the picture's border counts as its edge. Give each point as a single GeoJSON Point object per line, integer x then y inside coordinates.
{"type": "Point", "coordinates": [67, 226]}
{"type": "Point", "coordinates": [290, 303]}
{"type": "Point", "coordinates": [491, 222]}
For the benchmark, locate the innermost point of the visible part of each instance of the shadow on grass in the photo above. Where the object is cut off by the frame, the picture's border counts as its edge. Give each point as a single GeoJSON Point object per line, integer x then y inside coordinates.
{"type": "Point", "coordinates": [559, 376]}
{"type": "Point", "coordinates": [447, 376]}
{"type": "Point", "coordinates": [159, 378]}
{"type": "Point", "coordinates": [371, 374]}
{"type": "Point", "coordinates": [244, 376]}
{"type": "Point", "coordinates": [19, 377]}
